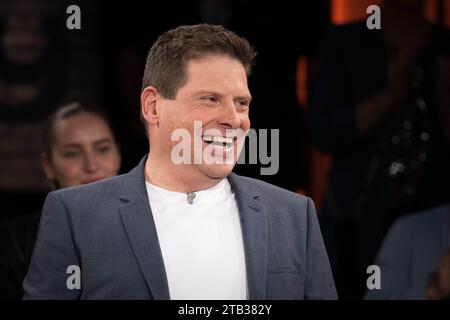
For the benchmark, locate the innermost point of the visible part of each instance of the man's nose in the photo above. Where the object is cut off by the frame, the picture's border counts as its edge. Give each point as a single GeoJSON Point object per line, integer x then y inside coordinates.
{"type": "Point", "coordinates": [230, 116]}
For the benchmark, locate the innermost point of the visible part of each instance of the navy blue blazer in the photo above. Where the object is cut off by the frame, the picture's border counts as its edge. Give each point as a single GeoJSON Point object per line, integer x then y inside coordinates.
{"type": "Point", "coordinates": [107, 229]}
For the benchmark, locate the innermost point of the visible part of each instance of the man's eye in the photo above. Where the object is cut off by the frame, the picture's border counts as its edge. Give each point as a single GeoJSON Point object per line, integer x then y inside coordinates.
{"type": "Point", "coordinates": [210, 99]}
{"type": "Point", "coordinates": [243, 103]}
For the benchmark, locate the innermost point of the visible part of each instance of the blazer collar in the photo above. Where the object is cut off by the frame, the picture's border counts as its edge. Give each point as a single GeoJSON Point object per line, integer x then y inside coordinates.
{"type": "Point", "coordinates": [140, 227]}
{"type": "Point", "coordinates": [254, 226]}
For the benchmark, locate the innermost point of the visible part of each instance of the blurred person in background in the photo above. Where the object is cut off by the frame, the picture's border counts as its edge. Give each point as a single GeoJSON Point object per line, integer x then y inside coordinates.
{"type": "Point", "coordinates": [414, 259]}
{"type": "Point", "coordinates": [382, 111]}
{"type": "Point", "coordinates": [80, 148]}
{"type": "Point", "coordinates": [438, 286]}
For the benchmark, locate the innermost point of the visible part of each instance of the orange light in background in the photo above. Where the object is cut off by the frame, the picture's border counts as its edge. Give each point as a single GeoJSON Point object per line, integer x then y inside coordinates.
{"type": "Point", "coordinates": [301, 79]}
{"type": "Point", "coordinates": [431, 7]}
{"type": "Point", "coordinates": [447, 14]}
{"type": "Point", "coordinates": [348, 11]}
{"type": "Point", "coordinates": [320, 163]}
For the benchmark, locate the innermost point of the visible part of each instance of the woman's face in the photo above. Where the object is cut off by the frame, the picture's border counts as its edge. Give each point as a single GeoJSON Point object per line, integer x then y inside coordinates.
{"type": "Point", "coordinates": [83, 151]}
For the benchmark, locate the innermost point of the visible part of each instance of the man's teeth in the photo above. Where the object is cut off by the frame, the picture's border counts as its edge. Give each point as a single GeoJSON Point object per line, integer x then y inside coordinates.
{"type": "Point", "coordinates": [218, 140]}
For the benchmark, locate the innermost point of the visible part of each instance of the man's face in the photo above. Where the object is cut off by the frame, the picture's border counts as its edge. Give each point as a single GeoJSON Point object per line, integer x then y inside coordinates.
{"type": "Point", "coordinates": [217, 98]}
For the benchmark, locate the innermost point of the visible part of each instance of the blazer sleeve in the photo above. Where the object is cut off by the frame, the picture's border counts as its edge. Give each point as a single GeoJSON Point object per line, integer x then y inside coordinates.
{"type": "Point", "coordinates": [54, 253]}
{"type": "Point", "coordinates": [319, 279]}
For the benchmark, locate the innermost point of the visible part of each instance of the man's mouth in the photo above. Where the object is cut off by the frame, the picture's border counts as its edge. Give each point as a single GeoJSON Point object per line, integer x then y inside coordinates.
{"type": "Point", "coordinates": [220, 141]}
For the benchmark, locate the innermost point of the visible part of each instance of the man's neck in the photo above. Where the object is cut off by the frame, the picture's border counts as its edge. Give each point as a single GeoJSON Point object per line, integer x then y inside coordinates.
{"type": "Point", "coordinates": [175, 177]}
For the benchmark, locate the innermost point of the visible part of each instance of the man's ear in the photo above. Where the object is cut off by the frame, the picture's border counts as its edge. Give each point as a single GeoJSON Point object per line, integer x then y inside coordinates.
{"type": "Point", "coordinates": [47, 167]}
{"type": "Point", "coordinates": [149, 97]}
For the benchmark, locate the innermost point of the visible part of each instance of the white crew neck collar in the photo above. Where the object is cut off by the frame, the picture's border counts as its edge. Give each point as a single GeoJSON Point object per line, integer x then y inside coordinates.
{"type": "Point", "coordinates": [216, 193]}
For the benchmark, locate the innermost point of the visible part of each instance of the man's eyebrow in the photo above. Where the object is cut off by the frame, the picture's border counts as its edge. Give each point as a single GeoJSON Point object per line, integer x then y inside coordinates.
{"type": "Point", "coordinates": [249, 98]}
{"type": "Point", "coordinates": [202, 92]}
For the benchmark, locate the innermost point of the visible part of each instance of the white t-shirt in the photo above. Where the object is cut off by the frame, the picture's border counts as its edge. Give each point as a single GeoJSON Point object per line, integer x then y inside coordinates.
{"type": "Point", "coordinates": [201, 243]}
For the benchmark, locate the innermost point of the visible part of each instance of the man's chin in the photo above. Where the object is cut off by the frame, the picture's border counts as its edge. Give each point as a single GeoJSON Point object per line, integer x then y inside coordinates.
{"type": "Point", "coordinates": [217, 171]}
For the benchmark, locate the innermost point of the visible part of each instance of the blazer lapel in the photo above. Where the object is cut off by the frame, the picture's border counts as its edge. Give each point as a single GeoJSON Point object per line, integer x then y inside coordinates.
{"type": "Point", "coordinates": [254, 226]}
{"type": "Point", "coordinates": [140, 227]}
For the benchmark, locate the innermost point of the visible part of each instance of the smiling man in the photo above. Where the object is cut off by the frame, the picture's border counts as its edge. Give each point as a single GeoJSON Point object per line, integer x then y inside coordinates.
{"type": "Point", "coordinates": [190, 229]}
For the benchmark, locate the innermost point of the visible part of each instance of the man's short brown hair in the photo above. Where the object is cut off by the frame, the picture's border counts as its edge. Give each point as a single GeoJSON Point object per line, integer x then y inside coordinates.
{"type": "Point", "coordinates": [165, 68]}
